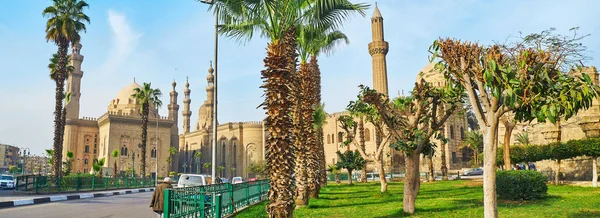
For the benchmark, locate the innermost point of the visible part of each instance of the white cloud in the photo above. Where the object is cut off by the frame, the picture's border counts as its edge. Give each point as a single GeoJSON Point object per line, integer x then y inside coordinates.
{"type": "Point", "coordinates": [125, 41]}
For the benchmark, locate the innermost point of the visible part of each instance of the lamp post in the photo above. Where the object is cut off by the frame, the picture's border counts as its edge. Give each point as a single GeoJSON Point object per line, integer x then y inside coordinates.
{"type": "Point", "coordinates": [23, 149]}
{"type": "Point", "coordinates": [214, 112]}
{"type": "Point", "coordinates": [156, 148]}
{"type": "Point", "coordinates": [132, 163]}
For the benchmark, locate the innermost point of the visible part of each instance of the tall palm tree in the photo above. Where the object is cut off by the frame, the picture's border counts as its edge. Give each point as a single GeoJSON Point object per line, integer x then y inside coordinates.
{"type": "Point", "coordinates": [65, 21]}
{"type": "Point", "coordinates": [198, 157]}
{"type": "Point", "coordinates": [146, 96]}
{"type": "Point", "coordinates": [277, 20]}
{"type": "Point", "coordinates": [311, 40]}
{"type": "Point", "coordinates": [172, 152]}
{"type": "Point", "coordinates": [320, 119]}
{"type": "Point", "coordinates": [115, 155]}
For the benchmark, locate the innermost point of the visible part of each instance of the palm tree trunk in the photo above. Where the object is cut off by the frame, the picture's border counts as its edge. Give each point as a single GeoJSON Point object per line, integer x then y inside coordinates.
{"type": "Point", "coordinates": [316, 76]}
{"type": "Point", "coordinates": [361, 138]}
{"type": "Point", "coordinates": [59, 96]}
{"type": "Point", "coordinates": [280, 65]}
{"type": "Point", "coordinates": [145, 113]}
{"type": "Point", "coordinates": [431, 175]}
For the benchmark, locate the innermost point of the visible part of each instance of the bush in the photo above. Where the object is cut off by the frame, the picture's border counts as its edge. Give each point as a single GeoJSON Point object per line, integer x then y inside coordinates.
{"type": "Point", "coordinates": [521, 185]}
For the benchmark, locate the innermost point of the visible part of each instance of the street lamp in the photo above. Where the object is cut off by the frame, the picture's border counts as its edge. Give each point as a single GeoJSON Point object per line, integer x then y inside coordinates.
{"type": "Point", "coordinates": [132, 163]}
{"type": "Point", "coordinates": [214, 117]}
{"type": "Point", "coordinates": [156, 149]}
{"type": "Point", "coordinates": [23, 149]}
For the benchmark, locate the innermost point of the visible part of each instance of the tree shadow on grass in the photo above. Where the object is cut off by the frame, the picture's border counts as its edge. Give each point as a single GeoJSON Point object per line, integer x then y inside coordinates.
{"type": "Point", "coordinates": [584, 213]}
{"type": "Point", "coordinates": [344, 205]}
{"type": "Point", "coordinates": [333, 198]}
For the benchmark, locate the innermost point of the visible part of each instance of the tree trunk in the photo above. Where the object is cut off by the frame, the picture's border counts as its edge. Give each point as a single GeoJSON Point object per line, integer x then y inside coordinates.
{"type": "Point", "coordinates": [361, 138]}
{"type": "Point", "coordinates": [508, 128]}
{"type": "Point", "coordinates": [490, 205]}
{"type": "Point", "coordinates": [280, 65]}
{"type": "Point", "coordinates": [412, 182]}
{"type": "Point", "coordinates": [145, 113]}
{"type": "Point", "coordinates": [382, 180]}
{"type": "Point", "coordinates": [476, 157]}
{"type": "Point", "coordinates": [300, 134]}
{"type": "Point", "coordinates": [337, 178]}
{"type": "Point", "coordinates": [444, 166]}
{"type": "Point", "coordinates": [431, 173]}
{"type": "Point", "coordinates": [557, 173]}
{"type": "Point", "coordinates": [115, 170]}
{"type": "Point", "coordinates": [594, 171]}
{"type": "Point", "coordinates": [59, 96]}
{"type": "Point", "coordinates": [349, 177]}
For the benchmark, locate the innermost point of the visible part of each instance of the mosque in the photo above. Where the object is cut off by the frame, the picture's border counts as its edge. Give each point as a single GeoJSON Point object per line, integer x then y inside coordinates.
{"type": "Point", "coordinates": [239, 143]}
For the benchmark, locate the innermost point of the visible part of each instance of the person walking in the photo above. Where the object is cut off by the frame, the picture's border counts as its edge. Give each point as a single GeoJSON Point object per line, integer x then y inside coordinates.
{"type": "Point", "coordinates": [158, 203]}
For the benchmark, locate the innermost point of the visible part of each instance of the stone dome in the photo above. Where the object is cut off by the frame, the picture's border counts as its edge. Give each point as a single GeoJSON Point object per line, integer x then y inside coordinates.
{"type": "Point", "coordinates": [125, 94]}
{"type": "Point", "coordinates": [429, 74]}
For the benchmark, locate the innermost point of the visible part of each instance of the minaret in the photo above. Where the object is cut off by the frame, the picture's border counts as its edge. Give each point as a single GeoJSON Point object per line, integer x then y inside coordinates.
{"type": "Point", "coordinates": [173, 106]}
{"type": "Point", "coordinates": [74, 83]}
{"type": "Point", "coordinates": [210, 88]}
{"type": "Point", "coordinates": [378, 49]}
{"type": "Point", "coordinates": [186, 107]}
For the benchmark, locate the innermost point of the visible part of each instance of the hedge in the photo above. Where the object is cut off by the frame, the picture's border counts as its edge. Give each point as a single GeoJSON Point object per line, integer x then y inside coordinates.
{"type": "Point", "coordinates": [552, 151]}
{"type": "Point", "coordinates": [521, 185]}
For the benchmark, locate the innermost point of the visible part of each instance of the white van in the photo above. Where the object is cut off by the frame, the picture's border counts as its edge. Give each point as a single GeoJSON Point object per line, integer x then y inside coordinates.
{"type": "Point", "coordinates": [187, 180]}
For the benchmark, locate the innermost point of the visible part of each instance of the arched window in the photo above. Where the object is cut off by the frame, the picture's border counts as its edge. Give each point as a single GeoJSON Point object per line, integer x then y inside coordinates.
{"type": "Point", "coordinates": [87, 149]}
{"type": "Point", "coordinates": [340, 136]}
{"type": "Point", "coordinates": [85, 161]}
{"type": "Point", "coordinates": [451, 132]}
{"type": "Point", "coordinates": [124, 150]}
{"type": "Point", "coordinates": [462, 133]}
{"type": "Point", "coordinates": [234, 153]}
{"type": "Point", "coordinates": [328, 138]}
{"type": "Point", "coordinates": [223, 153]}
{"type": "Point", "coordinates": [367, 135]}
{"type": "Point", "coordinates": [153, 153]}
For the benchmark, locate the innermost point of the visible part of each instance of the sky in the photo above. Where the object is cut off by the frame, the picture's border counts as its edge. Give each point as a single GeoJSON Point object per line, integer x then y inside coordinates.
{"type": "Point", "coordinates": [163, 40]}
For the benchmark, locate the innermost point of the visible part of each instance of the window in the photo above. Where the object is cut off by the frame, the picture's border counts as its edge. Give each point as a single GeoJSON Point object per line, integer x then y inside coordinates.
{"type": "Point", "coordinates": [223, 153]}
{"type": "Point", "coordinates": [87, 149]}
{"type": "Point", "coordinates": [85, 161]}
{"type": "Point", "coordinates": [451, 132]}
{"type": "Point", "coordinates": [95, 150]}
{"type": "Point", "coordinates": [340, 136]}
{"type": "Point", "coordinates": [454, 160]}
{"type": "Point", "coordinates": [367, 135]}
{"type": "Point", "coordinates": [462, 133]}
{"type": "Point", "coordinates": [153, 153]}
{"type": "Point", "coordinates": [234, 154]}
{"type": "Point", "coordinates": [328, 139]}
{"type": "Point", "coordinates": [124, 150]}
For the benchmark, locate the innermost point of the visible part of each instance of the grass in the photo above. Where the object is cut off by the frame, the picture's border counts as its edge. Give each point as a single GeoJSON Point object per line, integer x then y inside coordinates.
{"type": "Point", "coordinates": [440, 199]}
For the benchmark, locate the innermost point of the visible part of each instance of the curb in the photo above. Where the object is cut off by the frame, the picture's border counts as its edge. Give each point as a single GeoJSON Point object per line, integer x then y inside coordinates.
{"type": "Point", "coordinates": [15, 203]}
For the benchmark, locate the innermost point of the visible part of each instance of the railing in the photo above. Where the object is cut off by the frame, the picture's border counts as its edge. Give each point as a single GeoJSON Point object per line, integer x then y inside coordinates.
{"type": "Point", "coordinates": [197, 201]}
{"type": "Point", "coordinates": [45, 184]}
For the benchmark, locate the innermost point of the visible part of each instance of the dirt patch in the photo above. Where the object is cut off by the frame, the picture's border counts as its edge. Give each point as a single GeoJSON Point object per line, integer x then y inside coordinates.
{"type": "Point", "coordinates": [470, 184]}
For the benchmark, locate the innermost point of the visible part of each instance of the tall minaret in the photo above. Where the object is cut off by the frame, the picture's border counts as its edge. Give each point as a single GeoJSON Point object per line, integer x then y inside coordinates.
{"type": "Point", "coordinates": [74, 83]}
{"type": "Point", "coordinates": [378, 49]}
{"type": "Point", "coordinates": [210, 88]}
{"type": "Point", "coordinates": [173, 106]}
{"type": "Point", "coordinates": [186, 107]}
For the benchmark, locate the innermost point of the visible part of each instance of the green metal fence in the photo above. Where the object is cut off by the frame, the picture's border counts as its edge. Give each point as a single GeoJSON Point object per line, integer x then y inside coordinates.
{"type": "Point", "coordinates": [197, 201]}
{"type": "Point", "coordinates": [44, 184]}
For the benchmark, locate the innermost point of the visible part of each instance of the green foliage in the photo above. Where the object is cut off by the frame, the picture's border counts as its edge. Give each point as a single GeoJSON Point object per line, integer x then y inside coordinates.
{"type": "Point", "coordinates": [115, 153]}
{"type": "Point", "coordinates": [68, 164]}
{"type": "Point", "coordinates": [206, 165]}
{"type": "Point", "coordinates": [553, 151]}
{"type": "Point", "coordinates": [14, 169]}
{"type": "Point", "coordinates": [172, 173]}
{"type": "Point", "coordinates": [523, 139]}
{"type": "Point", "coordinates": [320, 117]}
{"type": "Point", "coordinates": [521, 185]}
{"type": "Point", "coordinates": [147, 95]}
{"type": "Point", "coordinates": [350, 160]}
{"type": "Point", "coordinates": [349, 125]}
{"type": "Point", "coordinates": [259, 168]}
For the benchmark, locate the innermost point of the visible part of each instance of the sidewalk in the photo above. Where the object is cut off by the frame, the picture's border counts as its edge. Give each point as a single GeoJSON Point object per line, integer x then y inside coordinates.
{"type": "Point", "coordinates": [21, 200]}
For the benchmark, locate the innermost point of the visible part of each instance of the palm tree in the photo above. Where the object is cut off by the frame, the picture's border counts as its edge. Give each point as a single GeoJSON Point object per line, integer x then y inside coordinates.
{"type": "Point", "coordinates": [278, 20]}
{"type": "Point", "coordinates": [145, 96]}
{"type": "Point", "coordinates": [523, 139]}
{"type": "Point", "coordinates": [65, 21]}
{"type": "Point", "coordinates": [311, 41]}
{"type": "Point", "coordinates": [172, 152]}
{"type": "Point", "coordinates": [332, 168]}
{"type": "Point", "coordinates": [474, 141]}
{"type": "Point", "coordinates": [198, 157]}
{"type": "Point", "coordinates": [320, 119]}
{"type": "Point", "coordinates": [97, 166]}
{"type": "Point", "coordinates": [68, 163]}
{"type": "Point", "coordinates": [115, 155]}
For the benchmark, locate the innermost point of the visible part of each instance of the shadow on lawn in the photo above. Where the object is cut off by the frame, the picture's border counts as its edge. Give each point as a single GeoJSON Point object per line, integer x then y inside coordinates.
{"type": "Point", "coordinates": [585, 213]}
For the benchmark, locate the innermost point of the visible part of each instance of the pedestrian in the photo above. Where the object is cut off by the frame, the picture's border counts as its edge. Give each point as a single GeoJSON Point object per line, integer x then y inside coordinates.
{"type": "Point", "coordinates": [158, 203]}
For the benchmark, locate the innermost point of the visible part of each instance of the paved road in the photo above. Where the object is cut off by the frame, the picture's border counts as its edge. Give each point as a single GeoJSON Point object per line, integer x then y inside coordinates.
{"type": "Point", "coordinates": [129, 206]}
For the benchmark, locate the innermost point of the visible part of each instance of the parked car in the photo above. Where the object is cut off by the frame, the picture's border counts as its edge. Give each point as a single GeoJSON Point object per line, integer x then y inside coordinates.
{"type": "Point", "coordinates": [187, 180]}
{"type": "Point", "coordinates": [224, 180]}
{"type": "Point", "coordinates": [236, 180]}
{"type": "Point", "coordinates": [474, 172]}
{"type": "Point", "coordinates": [7, 181]}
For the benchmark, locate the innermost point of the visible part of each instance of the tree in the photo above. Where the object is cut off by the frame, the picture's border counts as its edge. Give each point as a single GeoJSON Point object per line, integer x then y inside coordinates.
{"type": "Point", "coordinates": [220, 169]}
{"type": "Point", "coordinates": [509, 125]}
{"type": "Point", "coordinates": [198, 157]}
{"type": "Point", "coordinates": [68, 164]}
{"type": "Point", "coordinates": [65, 21]}
{"type": "Point", "coordinates": [13, 169]}
{"type": "Point", "coordinates": [350, 160]}
{"type": "Point", "coordinates": [146, 96]}
{"type": "Point", "coordinates": [259, 169]}
{"type": "Point", "coordinates": [320, 119]}
{"type": "Point", "coordinates": [232, 172]}
{"type": "Point", "coordinates": [50, 154]}
{"type": "Point", "coordinates": [523, 139]}
{"type": "Point", "coordinates": [332, 168]}
{"type": "Point", "coordinates": [278, 21]}
{"type": "Point", "coordinates": [97, 166]}
{"type": "Point", "coordinates": [474, 141]}
{"type": "Point", "coordinates": [115, 155]}
{"type": "Point", "coordinates": [172, 152]}
{"type": "Point", "coordinates": [524, 77]}
{"type": "Point", "coordinates": [413, 120]}
{"type": "Point", "coordinates": [206, 165]}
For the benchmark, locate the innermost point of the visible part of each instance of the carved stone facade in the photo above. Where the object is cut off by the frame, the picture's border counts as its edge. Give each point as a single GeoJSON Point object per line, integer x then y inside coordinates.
{"type": "Point", "coordinates": [574, 128]}
{"type": "Point", "coordinates": [118, 129]}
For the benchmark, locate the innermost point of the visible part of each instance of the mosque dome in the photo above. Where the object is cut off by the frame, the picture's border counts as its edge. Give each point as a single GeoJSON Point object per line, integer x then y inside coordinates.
{"type": "Point", "coordinates": [125, 94]}
{"type": "Point", "coordinates": [431, 75]}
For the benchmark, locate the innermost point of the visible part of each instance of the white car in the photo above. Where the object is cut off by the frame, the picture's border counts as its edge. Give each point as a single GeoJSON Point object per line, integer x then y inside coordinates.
{"type": "Point", "coordinates": [7, 181]}
{"type": "Point", "coordinates": [187, 180]}
{"type": "Point", "coordinates": [236, 180]}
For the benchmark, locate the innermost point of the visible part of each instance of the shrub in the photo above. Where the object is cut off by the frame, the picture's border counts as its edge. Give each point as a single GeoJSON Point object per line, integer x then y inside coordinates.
{"type": "Point", "coordinates": [521, 185]}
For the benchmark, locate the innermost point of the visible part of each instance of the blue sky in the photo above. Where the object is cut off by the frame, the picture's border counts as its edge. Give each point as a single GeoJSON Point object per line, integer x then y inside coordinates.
{"type": "Point", "coordinates": [161, 41]}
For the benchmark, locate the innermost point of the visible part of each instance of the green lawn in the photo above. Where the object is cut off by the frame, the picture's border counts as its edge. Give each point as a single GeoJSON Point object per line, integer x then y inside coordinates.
{"type": "Point", "coordinates": [440, 199]}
